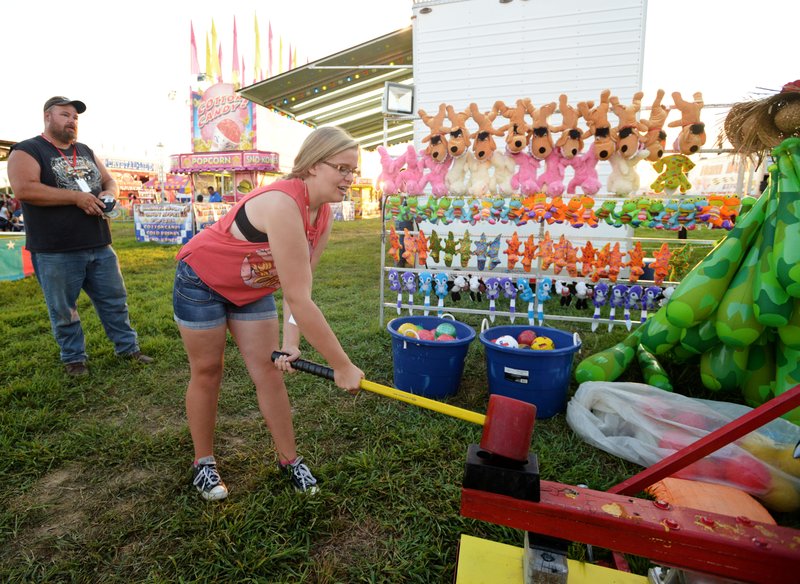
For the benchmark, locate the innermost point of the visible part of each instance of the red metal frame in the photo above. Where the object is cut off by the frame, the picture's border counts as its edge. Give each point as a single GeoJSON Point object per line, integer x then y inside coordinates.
{"type": "Point", "coordinates": [674, 536]}
{"type": "Point", "coordinates": [732, 547]}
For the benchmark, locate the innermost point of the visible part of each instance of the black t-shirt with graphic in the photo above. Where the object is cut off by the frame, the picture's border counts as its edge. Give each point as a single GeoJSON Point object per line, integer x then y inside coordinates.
{"type": "Point", "coordinates": [63, 227]}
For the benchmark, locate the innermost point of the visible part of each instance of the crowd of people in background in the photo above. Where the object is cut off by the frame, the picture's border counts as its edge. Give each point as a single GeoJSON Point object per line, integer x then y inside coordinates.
{"type": "Point", "coordinates": [10, 214]}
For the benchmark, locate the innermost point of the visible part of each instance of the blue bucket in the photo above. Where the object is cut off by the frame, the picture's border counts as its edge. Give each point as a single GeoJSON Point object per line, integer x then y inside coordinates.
{"type": "Point", "coordinates": [429, 368]}
{"type": "Point", "coordinates": [537, 377]}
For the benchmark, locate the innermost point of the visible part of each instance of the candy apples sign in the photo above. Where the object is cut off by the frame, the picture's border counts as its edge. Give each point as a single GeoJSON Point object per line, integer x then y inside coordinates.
{"type": "Point", "coordinates": [222, 120]}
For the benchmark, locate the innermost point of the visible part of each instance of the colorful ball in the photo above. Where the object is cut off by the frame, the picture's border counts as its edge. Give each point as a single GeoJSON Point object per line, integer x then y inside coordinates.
{"type": "Point", "coordinates": [543, 344]}
{"type": "Point", "coordinates": [408, 329]}
{"type": "Point", "coordinates": [507, 341]}
{"type": "Point", "coordinates": [445, 337]}
{"type": "Point", "coordinates": [526, 337]}
{"type": "Point", "coordinates": [427, 335]}
{"type": "Point", "coordinates": [446, 329]}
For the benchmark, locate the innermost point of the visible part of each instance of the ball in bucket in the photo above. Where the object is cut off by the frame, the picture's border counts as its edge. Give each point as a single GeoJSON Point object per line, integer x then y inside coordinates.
{"type": "Point", "coordinates": [431, 368]}
{"type": "Point", "coordinates": [543, 344]}
{"type": "Point", "coordinates": [540, 377]}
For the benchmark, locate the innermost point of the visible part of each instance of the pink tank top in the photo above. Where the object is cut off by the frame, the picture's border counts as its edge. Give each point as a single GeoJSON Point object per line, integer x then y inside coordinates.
{"type": "Point", "coordinates": [244, 271]}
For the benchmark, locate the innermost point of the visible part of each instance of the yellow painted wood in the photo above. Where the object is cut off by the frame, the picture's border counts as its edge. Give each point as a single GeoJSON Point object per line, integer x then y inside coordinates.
{"type": "Point", "coordinates": [481, 561]}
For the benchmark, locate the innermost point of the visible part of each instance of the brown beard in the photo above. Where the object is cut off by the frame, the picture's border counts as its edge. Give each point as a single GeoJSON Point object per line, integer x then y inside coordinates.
{"type": "Point", "coordinates": [64, 136]}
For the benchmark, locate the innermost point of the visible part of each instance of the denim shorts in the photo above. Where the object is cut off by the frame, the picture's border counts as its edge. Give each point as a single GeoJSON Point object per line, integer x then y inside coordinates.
{"type": "Point", "coordinates": [196, 306]}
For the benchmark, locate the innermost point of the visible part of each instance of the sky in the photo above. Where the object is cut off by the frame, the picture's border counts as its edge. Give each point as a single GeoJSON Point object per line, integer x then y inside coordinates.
{"type": "Point", "coordinates": [130, 63]}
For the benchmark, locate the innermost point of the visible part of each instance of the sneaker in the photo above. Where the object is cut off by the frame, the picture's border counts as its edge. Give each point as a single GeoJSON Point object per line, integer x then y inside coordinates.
{"type": "Point", "coordinates": [300, 476]}
{"type": "Point", "coordinates": [207, 480]}
{"type": "Point", "coordinates": [140, 357]}
{"type": "Point", "coordinates": [76, 369]}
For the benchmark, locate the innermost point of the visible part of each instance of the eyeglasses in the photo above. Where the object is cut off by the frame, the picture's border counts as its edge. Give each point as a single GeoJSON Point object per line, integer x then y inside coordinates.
{"type": "Point", "coordinates": [342, 169]}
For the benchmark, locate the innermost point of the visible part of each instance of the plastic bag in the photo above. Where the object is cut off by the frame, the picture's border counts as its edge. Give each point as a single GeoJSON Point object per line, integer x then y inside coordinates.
{"type": "Point", "coordinates": [644, 424]}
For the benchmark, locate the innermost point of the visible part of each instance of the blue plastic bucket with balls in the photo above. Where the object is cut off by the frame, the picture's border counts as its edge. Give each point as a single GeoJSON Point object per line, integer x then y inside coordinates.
{"type": "Point", "coordinates": [539, 377]}
{"type": "Point", "coordinates": [430, 368]}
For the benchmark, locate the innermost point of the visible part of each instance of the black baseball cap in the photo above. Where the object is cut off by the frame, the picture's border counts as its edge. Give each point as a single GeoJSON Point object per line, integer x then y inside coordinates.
{"type": "Point", "coordinates": [61, 100]}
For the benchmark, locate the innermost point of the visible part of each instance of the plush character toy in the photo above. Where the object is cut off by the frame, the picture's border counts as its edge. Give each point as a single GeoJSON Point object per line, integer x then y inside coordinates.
{"type": "Point", "coordinates": [512, 250]}
{"type": "Point", "coordinates": [437, 139]}
{"type": "Point", "coordinates": [624, 179]}
{"type": "Point", "coordinates": [598, 125]}
{"type": "Point", "coordinates": [661, 264]}
{"type": "Point", "coordinates": [388, 180]}
{"type": "Point", "coordinates": [649, 301]}
{"type": "Point", "coordinates": [546, 251]}
{"type": "Point", "coordinates": [493, 252]}
{"type": "Point", "coordinates": [675, 168]}
{"type": "Point", "coordinates": [481, 246]}
{"type": "Point", "coordinates": [449, 249]}
{"type": "Point", "coordinates": [460, 284]}
{"type": "Point", "coordinates": [458, 145]}
{"type": "Point", "coordinates": [463, 249]}
{"type": "Point", "coordinates": [492, 294]}
{"type": "Point", "coordinates": [616, 299]}
{"type": "Point", "coordinates": [632, 300]}
{"type": "Point", "coordinates": [528, 254]}
{"type": "Point", "coordinates": [410, 177]}
{"type": "Point", "coordinates": [483, 149]}
{"type": "Point", "coordinates": [510, 292]}
{"type": "Point", "coordinates": [422, 248]}
{"type": "Point", "coordinates": [435, 158]}
{"type": "Point", "coordinates": [410, 244]}
{"type": "Point", "coordinates": [425, 290]}
{"type": "Point", "coordinates": [526, 295]}
{"type": "Point", "coordinates": [673, 171]}
{"type": "Point", "coordinates": [599, 298]}
{"type": "Point", "coordinates": [626, 132]}
{"type": "Point", "coordinates": [585, 177]}
{"type": "Point", "coordinates": [693, 131]}
{"type": "Point", "coordinates": [394, 245]}
{"type": "Point", "coordinates": [396, 286]}
{"type": "Point", "coordinates": [542, 148]}
{"type": "Point", "coordinates": [410, 286]}
{"type": "Point", "coordinates": [517, 133]}
{"type": "Point", "coordinates": [543, 290]}
{"type": "Point", "coordinates": [440, 289]}
{"type": "Point", "coordinates": [588, 254]}
{"type": "Point", "coordinates": [636, 262]}
{"type": "Point", "coordinates": [476, 288]}
{"type": "Point", "coordinates": [655, 139]}
{"type": "Point", "coordinates": [581, 296]}
{"type": "Point", "coordinates": [570, 142]}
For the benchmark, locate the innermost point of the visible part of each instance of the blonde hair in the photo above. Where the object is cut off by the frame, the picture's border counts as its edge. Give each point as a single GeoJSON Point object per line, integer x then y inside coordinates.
{"type": "Point", "coordinates": [320, 145]}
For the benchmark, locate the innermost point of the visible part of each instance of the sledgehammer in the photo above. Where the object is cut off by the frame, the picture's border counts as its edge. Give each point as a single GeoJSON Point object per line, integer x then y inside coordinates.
{"type": "Point", "coordinates": [507, 425]}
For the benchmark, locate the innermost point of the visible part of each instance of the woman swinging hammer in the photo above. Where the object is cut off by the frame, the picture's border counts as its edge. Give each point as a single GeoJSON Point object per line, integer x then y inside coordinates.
{"type": "Point", "coordinates": [225, 279]}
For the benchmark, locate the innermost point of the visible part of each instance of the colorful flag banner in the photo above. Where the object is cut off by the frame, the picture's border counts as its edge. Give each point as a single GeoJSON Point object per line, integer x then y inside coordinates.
{"type": "Point", "coordinates": [15, 260]}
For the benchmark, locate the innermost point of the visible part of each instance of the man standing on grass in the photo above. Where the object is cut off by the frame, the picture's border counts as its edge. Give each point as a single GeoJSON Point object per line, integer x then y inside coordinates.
{"type": "Point", "coordinates": [60, 184]}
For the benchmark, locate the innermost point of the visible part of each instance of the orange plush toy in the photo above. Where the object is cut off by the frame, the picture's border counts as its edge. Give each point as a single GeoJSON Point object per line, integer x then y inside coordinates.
{"type": "Point", "coordinates": [458, 145]}
{"type": "Point", "coordinates": [655, 140]}
{"type": "Point", "coordinates": [624, 179]}
{"type": "Point", "coordinates": [599, 126]}
{"type": "Point", "coordinates": [693, 131]}
{"type": "Point", "coordinates": [570, 142]}
{"type": "Point", "coordinates": [483, 148]}
{"type": "Point", "coordinates": [551, 180]}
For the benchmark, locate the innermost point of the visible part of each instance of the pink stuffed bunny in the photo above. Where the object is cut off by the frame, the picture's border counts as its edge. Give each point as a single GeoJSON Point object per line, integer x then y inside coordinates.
{"type": "Point", "coordinates": [388, 180]}
{"type": "Point", "coordinates": [436, 175]}
{"type": "Point", "coordinates": [585, 167]}
{"type": "Point", "coordinates": [410, 178]}
{"type": "Point", "coordinates": [525, 181]}
{"type": "Point", "coordinates": [551, 180]}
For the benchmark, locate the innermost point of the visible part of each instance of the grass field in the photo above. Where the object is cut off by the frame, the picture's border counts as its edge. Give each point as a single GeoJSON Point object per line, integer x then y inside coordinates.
{"type": "Point", "coordinates": [96, 470]}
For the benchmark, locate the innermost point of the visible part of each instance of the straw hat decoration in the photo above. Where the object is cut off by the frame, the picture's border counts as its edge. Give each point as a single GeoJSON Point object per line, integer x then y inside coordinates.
{"type": "Point", "coordinates": [755, 127]}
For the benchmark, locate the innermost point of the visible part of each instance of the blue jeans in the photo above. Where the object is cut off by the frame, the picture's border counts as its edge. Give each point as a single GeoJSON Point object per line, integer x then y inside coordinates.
{"type": "Point", "coordinates": [198, 307]}
{"type": "Point", "coordinates": [62, 276]}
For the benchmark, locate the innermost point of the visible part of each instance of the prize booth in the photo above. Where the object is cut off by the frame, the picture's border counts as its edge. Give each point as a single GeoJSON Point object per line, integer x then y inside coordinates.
{"type": "Point", "coordinates": [233, 173]}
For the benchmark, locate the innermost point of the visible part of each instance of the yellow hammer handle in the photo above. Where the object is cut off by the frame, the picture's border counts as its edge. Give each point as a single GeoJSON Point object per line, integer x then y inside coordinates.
{"type": "Point", "coordinates": [424, 402]}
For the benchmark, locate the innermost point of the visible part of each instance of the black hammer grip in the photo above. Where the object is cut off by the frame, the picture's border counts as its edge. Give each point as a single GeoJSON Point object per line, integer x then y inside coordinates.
{"type": "Point", "coordinates": [307, 366]}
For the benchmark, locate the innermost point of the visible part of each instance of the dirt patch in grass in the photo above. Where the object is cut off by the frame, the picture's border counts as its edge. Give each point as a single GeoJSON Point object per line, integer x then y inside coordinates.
{"type": "Point", "coordinates": [64, 507]}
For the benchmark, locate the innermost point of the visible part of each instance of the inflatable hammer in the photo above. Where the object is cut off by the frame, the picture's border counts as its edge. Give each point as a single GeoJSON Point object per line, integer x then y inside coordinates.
{"type": "Point", "coordinates": [507, 425]}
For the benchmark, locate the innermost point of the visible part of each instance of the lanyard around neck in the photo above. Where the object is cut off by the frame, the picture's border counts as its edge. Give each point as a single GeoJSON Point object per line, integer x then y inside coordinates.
{"type": "Point", "coordinates": [74, 162]}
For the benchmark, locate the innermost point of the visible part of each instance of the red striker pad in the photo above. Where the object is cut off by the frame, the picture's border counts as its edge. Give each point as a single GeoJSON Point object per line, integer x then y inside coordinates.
{"type": "Point", "coordinates": [508, 428]}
